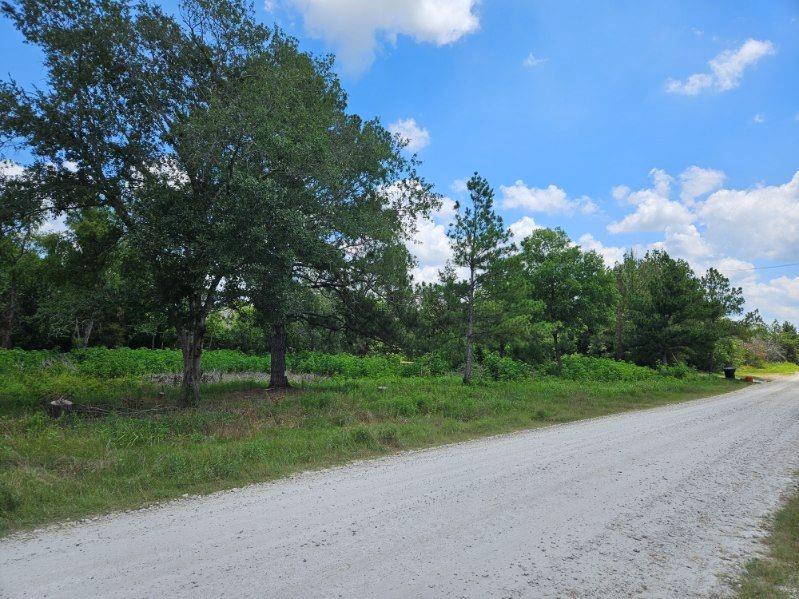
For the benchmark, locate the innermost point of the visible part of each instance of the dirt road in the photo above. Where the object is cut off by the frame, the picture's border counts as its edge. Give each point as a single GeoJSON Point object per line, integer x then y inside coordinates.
{"type": "Point", "coordinates": [658, 503]}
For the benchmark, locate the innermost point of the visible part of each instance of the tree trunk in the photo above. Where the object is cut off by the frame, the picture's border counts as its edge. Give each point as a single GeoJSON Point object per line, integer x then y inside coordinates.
{"type": "Point", "coordinates": [8, 320]}
{"type": "Point", "coordinates": [467, 371]}
{"type": "Point", "coordinates": [501, 348]}
{"type": "Point", "coordinates": [191, 342]}
{"type": "Point", "coordinates": [618, 352]}
{"type": "Point", "coordinates": [558, 357]}
{"type": "Point", "coordinates": [277, 367]}
{"type": "Point", "coordinates": [87, 333]}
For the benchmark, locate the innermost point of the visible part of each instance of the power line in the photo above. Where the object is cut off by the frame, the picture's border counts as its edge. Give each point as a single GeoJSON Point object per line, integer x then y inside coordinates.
{"type": "Point", "coordinates": [761, 267]}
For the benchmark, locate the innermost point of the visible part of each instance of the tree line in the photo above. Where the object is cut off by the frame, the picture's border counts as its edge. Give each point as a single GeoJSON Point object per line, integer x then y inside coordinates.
{"type": "Point", "coordinates": [217, 190]}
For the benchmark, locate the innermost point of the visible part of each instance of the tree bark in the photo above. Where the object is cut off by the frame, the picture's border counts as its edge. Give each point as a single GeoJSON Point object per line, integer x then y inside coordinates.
{"type": "Point", "coordinates": [87, 333]}
{"type": "Point", "coordinates": [467, 371]}
{"type": "Point", "coordinates": [8, 320]}
{"type": "Point", "coordinates": [191, 342]}
{"type": "Point", "coordinates": [558, 357]}
{"type": "Point", "coordinates": [277, 367]}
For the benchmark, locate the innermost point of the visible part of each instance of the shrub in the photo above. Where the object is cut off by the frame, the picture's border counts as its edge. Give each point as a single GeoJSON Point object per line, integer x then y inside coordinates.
{"type": "Point", "coordinates": [504, 369]}
{"type": "Point", "coordinates": [587, 368]}
{"type": "Point", "coordinates": [680, 370]}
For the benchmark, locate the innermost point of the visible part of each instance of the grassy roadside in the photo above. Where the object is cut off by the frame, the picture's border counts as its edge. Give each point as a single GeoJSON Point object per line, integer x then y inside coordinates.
{"type": "Point", "coordinates": [768, 368]}
{"type": "Point", "coordinates": [77, 466]}
{"type": "Point", "coordinates": [776, 575]}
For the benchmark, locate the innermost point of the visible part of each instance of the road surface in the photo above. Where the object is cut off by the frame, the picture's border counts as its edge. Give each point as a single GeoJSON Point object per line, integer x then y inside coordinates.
{"type": "Point", "coordinates": [665, 502]}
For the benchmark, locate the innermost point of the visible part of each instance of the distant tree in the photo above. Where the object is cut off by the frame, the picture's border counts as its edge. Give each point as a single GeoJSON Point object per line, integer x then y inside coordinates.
{"type": "Point", "coordinates": [81, 273]}
{"type": "Point", "coordinates": [625, 274]}
{"type": "Point", "coordinates": [505, 312]}
{"type": "Point", "coordinates": [478, 238]}
{"type": "Point", "coordinates": [574, 287]}
{"type": "Point", "coordinates": [723, 301]}
{"type": "Point", "coordinates": [669, 316]}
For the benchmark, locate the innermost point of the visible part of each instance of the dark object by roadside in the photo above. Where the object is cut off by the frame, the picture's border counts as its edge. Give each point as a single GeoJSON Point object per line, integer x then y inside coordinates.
{"type": "Point", "coordinates": [59, 406]}
{"type": "Point", "coordinates": [729, 372]}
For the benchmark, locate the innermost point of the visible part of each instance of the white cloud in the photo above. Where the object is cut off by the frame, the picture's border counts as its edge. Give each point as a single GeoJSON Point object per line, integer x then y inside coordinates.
{"type": "Point", "coordinates": [531, 61]}
{"type": "Point", "coordinates": [654, 210]}
{"type": "Point", "coordinates": [10, 169]}
{"type": "Point", "coordinates": [459, 186]}
{"type": "Point", "coordinates": [728, 229]}
{"type": "Point", "coordinates": [778, 297]}
{"type": "Point", "coordinates": [759, 118]}
{"type": "Point", "coordinates": [610, 254]}
{"type": "Point", "coordinates": [447, 209]}
{"type": "Point", "coordinates": [696, 181]}
{"type": "Point", "coordinates": [411, 133]}
{"type": "Point", "coordinates": [354, 27]}
{"type": "Point", "coordinates": [620, 192]}
{"type": "Point", "coordinates": [551, 199]}
{"type": "Point", "coordinates": [762, 222]}
{"type": "Point", "coordinates": [522, 228]}
{"type": "Point", "coordinates": [726, 69]}
{"type": "Point", "coordinates": [686, 242]}
{"type": "Point", "coordinates": [430, 244]}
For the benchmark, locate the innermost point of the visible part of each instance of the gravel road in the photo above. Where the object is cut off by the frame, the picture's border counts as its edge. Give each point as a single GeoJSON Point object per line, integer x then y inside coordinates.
{"type": "Point", "coordinates": [659, 503]}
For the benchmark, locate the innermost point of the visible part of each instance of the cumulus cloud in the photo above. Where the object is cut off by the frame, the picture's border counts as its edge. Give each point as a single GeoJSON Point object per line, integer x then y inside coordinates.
{"type": "Point", "coordinates": [726, 69]}
{"type": "Point", "coordinates": [696, 181]}
{"type": "Point", "coordinates": [356, 27]}
{"type": "Point", "coordinates": [430, 244]}
{"type": "Point", "coordinates": [531, 61]}
{"type": "Point", "coordinates": [728, 229]}
{"type": "Point", "coordinates": [762, 222]}
{"type": "Point", "coordinates": [551, 199]}
{"type": "Point", "coordinates": [778, 297]}
{"type": "Point", "coordinates": [654, 210]}
{"type": "Point", "coordinates": [411, 133]}
{"type": "Point", "coordinates": [610, 254]}
{"type": "Point", "coordinates": [522, 228]}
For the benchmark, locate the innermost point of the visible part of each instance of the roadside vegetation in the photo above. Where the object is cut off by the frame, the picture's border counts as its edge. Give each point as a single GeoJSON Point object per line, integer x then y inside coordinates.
{"type": "Point", "coordinates": [230, 225]}
{"type": "Point", "coordinates": [767, 368]}
{"type": "Point", "coordinates": [132, 444]}
{"type": "Point", "coordinates": [776, 575]}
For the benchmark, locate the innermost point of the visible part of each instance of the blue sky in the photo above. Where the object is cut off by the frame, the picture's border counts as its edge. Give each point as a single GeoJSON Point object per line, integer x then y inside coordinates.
{"type": "Point", "coordinates": [637, 124]}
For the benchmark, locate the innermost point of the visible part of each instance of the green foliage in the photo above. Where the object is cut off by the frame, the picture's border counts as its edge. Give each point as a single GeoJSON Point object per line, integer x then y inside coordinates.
{"type": "Point", "coordinates": [74, 466]}
{"type": "Point", "coordinates": [574, 288]}
{"type": "Point", "coordinates": [678, 370]}
{"type": "Point", "coordinates": [585, 368]}
{"type": "Point", "coordinates": [347, 365]}
{"type": "Point", "coordinates": [504, 368]}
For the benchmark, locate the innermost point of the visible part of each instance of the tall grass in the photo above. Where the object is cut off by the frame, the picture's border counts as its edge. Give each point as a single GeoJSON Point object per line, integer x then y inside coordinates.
{"type": "Point", "coordinates": [74, 466]}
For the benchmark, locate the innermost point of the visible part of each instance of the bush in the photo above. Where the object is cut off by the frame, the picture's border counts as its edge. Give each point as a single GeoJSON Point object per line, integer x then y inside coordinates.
{"type": "Point", "coordinates": [347, 365]}
{"type": "Point", "coordinates": [586, 368]}
{"type": "Point", "coordinates": [680, 370]}
{"type": "Point", "coordinates": [504, 369]}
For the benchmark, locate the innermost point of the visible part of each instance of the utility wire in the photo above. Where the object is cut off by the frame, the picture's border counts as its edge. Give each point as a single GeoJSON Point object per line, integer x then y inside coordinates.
{"type": "Point", "coordinates": [762, 267]}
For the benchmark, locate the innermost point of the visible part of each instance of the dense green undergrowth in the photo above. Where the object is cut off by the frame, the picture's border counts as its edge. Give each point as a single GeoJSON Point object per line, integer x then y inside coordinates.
{"type": "Point", "coordinates": [78, 465]}
{"type": "Point", "coordinates": [103, 376]}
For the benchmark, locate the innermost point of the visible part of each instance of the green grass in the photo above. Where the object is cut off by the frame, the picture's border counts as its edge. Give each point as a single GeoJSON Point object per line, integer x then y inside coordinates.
{"type": "Point", "coordinates": [51, 470]}
{"type": "Point", "coordinates": [777, 574]}
{"type": "Point", "coordinates": [768, 368]}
